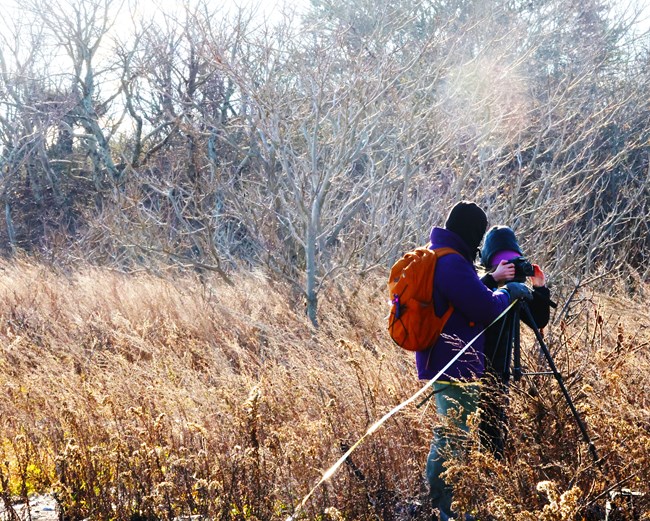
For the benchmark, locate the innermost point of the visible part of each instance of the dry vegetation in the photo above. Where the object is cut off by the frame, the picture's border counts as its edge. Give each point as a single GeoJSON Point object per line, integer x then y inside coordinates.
{"type": "Point", "coordinates": [140, 397]}
{"type": "Point", "coordinates": [284, 156]}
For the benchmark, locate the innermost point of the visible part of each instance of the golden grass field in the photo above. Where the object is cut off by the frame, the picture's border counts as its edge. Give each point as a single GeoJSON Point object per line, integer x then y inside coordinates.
{"type": "Point", "coordinates": [141, 397]}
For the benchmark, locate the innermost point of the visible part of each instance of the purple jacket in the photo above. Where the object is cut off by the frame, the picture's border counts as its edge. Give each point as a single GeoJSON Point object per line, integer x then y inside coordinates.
{"type": "Point", "coordinates": [475, 307]}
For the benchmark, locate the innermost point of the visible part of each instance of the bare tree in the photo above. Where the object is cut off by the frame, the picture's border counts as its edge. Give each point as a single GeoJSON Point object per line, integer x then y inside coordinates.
{"type": "Point", "coordinates": [79, 29]}
{"type": "Point", "coordinates": [329, 121]}
{"type": "Point", "coordinates": [328, 143]}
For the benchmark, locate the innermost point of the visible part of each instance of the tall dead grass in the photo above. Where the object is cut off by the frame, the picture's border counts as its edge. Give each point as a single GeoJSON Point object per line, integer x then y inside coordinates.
{"type": "Point", "coordinates": [140, 397]}
{"type": "Point", "coordinates": [600, 347]}
{"type": "Point", "coordinates": [136, 397]}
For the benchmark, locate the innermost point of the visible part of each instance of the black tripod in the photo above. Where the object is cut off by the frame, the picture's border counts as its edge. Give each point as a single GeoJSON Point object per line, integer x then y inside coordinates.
{"type": "Point", "coordinates": [513, 357]}
{"type": "Point", "coordinates": [501, 365]}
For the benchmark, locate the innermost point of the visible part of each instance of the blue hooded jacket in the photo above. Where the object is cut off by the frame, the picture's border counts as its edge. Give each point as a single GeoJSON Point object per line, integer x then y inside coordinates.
{"type": "Point", "coordinates": [475, 307]}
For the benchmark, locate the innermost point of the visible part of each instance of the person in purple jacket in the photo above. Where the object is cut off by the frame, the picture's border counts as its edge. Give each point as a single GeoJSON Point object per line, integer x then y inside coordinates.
{"type": "Point", "coordinates": [457, 283]}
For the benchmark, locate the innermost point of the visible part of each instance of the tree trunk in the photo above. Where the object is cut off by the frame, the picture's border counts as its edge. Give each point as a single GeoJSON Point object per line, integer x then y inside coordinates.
{"type": "Point", "coordinates": [11, 232]}
{"type": "Point", "coordinates": [311, 267]}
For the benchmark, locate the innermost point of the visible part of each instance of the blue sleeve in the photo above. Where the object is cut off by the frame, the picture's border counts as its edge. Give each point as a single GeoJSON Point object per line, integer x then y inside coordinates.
{"type": "Point", "coordinates": [459, 284]}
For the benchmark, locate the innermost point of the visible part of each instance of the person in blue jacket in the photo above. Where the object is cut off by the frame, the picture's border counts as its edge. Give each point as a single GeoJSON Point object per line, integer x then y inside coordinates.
{"type": "Point", "coordinates": [456, 282]}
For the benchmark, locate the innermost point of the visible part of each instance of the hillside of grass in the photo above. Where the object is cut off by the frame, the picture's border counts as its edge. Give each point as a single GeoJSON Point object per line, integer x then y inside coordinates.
{"type": "Point", "coordinates": [144, 397]}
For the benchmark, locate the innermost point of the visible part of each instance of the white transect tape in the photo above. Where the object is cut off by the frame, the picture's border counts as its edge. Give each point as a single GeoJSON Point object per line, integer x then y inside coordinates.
{"type": "Point", "coordinates": [330, 472]}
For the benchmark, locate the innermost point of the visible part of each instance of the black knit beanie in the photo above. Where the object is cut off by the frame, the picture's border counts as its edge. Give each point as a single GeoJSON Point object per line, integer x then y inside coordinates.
{"type": "Point", "coordinates": [468, 221]}
{"type": "Point", "coordinates": [498, 238]}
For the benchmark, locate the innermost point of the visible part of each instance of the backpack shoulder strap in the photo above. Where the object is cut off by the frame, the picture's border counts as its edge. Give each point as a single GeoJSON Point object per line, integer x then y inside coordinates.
{"type": "Point", "coordinates": [441, 252]}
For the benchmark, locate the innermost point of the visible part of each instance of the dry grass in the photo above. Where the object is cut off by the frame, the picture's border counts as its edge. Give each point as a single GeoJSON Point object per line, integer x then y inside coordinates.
{"type": "Point", "coordinates": [136, 397]}
{"type": "Point", "coordinates": [549, 474]}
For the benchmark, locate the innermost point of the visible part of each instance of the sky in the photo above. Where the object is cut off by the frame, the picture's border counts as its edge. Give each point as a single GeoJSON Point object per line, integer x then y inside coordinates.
{"type": "Point", "coordinates": [11, 10]}
{"type": "Point", "coordinates": [269, 9]}
{"type": "Point", "coordinates": [16, 13]}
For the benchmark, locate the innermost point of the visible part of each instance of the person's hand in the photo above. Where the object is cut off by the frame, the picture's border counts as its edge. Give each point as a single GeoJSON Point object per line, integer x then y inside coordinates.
{"type": "Point", "coordinates": [517, 290]}
{"type": "Point", "coordinates": [538, 279]}
{"type": "Point", "coordinates": [504, 271]}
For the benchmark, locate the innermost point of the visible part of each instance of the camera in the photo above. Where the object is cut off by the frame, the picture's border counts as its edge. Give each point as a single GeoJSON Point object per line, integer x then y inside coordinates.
{"type": "Point", "coordinates": [523, 268]}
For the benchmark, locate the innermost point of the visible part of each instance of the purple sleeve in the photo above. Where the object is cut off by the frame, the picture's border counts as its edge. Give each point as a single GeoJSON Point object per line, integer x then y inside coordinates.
{"type": "Point", "coordinates": [457, 282]}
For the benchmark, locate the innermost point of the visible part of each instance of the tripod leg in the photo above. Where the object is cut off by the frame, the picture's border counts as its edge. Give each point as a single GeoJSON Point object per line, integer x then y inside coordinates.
{"type": "Point", "coordinates": [503, 359]}
{"type": "Point", "coordinates": [493, 427]}
{"type": "Point", "coordinates": [560, 381]}
{"type": "Point", "coordinates": [516, 356]}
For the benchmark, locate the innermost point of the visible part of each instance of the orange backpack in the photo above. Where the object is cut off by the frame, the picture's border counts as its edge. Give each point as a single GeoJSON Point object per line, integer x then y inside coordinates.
{"type": "Point", "coordinates": [413, 323]}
